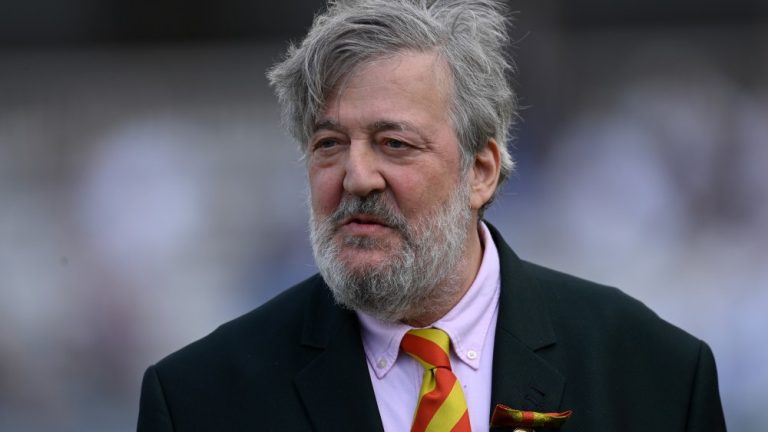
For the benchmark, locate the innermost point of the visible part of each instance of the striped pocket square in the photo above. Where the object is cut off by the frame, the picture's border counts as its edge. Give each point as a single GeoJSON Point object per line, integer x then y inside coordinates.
{"type": "Point", "coordinates": [504, 416]}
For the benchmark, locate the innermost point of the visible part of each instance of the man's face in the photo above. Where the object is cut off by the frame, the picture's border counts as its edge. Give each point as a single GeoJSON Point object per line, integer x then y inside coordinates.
{"type": "Point", "coordinates": [385, 175]}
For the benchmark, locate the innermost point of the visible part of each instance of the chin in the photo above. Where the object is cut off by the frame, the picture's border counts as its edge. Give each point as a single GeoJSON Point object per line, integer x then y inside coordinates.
{"type": "Point", "coordinates": [363, 260]}
{"type": "Point", "coordinates": [355, 244]}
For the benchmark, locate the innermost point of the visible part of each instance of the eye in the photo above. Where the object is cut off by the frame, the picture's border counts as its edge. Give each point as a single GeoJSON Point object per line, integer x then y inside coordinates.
{"type": "Point", "coordinates": [394, 144]}
{"type": "Point", "coordinates": [325, 144]}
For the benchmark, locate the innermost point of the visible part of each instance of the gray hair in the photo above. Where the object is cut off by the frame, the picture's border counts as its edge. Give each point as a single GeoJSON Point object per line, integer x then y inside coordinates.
{"type": "Point", "coordinates": [470, 35]}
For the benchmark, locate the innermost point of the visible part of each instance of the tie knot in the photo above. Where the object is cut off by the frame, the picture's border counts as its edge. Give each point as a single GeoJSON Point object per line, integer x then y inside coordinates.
{"type": "Point", "coordinates": [428, 346]}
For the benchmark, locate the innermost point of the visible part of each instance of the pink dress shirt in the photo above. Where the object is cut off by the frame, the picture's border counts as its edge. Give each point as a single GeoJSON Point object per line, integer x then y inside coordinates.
{"type": "Point", "coordinates": [471, 325]}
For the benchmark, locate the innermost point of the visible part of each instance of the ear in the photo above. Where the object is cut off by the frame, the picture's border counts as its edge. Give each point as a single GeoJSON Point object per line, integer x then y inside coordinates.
{"type": "Point", "coordinates": [484, 175]}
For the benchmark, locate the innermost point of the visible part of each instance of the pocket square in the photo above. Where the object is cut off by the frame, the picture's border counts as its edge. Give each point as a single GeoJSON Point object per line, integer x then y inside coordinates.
{"type": "Point", "coordinates": [504, 416]}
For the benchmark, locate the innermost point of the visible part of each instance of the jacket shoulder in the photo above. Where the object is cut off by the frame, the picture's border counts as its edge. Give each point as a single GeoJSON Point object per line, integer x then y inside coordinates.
{"type": "Point", "coordinates": [617, 352]}
{"type": "Point", "coordinates": [209, 384]}
{"type": "Point", "coordinates": [272, 325]}
{"type": "Point", "coordinates": [593, 307]}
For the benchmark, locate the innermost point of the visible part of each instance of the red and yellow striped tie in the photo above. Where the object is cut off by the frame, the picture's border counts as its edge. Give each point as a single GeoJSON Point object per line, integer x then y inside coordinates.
{"type": "Point", "coordinates": [441, 407]}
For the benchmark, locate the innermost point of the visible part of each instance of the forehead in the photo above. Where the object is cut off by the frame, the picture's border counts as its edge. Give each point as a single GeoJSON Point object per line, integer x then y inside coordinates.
{"type": "Point", "coordinates": [407, 65]}
{"type": "Point", "coordinates": [401, 84]}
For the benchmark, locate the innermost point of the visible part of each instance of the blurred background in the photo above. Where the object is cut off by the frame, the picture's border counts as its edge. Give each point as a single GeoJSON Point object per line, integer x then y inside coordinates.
{"type": "Point", "coordinates": [148, 194]}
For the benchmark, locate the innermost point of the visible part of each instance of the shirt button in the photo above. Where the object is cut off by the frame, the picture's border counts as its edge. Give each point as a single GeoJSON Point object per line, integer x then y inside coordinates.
{"type": "Point", "coordinates": [382, 363]}
{"type": "Point", "coordinates": [471, 354]}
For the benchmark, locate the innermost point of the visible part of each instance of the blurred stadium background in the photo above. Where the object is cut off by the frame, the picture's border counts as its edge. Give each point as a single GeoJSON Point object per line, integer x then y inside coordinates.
{"type": "Point", "coordinates": [148, 194]}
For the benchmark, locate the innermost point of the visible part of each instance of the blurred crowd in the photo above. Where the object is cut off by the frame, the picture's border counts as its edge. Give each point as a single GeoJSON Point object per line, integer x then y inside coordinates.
{"type": "Point", "coordinates": [148, 195]}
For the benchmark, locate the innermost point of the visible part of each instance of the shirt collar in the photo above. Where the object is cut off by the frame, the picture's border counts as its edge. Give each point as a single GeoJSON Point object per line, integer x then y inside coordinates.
{"type": "Point", "coordinates": [467, 323]}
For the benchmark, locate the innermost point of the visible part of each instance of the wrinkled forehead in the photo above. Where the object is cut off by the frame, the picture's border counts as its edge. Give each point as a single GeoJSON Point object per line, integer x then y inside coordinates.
{"type": "Point", "coordinates": [432, 68]}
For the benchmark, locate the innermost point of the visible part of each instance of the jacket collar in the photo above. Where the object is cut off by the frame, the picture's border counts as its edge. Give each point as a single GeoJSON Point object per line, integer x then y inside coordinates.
{"type": "Point", "coordinates": [335, 386]}
{"type": "Point", "coordinates": [522, 379]}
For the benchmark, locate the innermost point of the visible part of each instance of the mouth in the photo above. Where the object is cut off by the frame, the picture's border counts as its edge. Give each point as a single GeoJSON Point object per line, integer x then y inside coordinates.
{"type": "Point", "coordinates": [363, 225]}
{"type": "Point", "coordinates": [363, 219]}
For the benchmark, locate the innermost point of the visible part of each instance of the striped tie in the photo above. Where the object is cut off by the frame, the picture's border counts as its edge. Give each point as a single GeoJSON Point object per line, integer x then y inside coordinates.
{"type": "Point", "coordinates": [441, 407]}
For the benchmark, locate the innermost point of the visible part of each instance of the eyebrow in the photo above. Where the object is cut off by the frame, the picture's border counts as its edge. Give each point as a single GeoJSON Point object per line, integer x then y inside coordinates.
{"type": "Point", "coordinates": [385, 125]}
{"type": "Point", "coordinates": [377, 126]}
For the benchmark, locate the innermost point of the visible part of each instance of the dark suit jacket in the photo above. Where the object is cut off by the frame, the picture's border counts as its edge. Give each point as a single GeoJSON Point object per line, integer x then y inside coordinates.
{"type": "Point", "coordinates": [297, 363]}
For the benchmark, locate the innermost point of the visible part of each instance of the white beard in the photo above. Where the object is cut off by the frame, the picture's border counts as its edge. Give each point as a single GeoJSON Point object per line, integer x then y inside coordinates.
{"type": "Point", "coordinates": [419, 279]}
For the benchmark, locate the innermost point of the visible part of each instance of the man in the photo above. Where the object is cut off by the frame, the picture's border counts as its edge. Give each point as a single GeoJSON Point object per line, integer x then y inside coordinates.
{"type": "Point", "coordinates": [401, 108]}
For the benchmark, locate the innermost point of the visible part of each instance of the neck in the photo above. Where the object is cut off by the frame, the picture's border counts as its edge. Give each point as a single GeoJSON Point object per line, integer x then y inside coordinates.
{"type": "Point", "coordinates": [464, 276]}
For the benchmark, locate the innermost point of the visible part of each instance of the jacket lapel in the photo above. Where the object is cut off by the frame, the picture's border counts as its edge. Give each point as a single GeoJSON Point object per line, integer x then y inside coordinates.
{"type": "Point", "coordinates": [335, 386]}
{"type": "Point", "coordinates": [522, 379]}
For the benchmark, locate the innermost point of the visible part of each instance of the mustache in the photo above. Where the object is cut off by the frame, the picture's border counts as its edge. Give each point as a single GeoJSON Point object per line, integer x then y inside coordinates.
{"type": "Point", "coordinates": [375, 205]}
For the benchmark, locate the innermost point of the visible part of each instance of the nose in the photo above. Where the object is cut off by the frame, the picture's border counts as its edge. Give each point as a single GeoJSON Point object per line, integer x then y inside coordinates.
{"type": "Point", "coordinates": [362, 172]}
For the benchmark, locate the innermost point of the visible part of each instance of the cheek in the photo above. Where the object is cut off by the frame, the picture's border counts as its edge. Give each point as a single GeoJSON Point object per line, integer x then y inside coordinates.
{"type": "Point", "coordinates": [326, 189]}
{"type": "Point", "coordinates": [420, 192]}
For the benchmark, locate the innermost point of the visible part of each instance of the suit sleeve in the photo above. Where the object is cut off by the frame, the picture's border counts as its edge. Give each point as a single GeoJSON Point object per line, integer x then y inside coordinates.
{"type": "Point", "coordinates": [153, 409]}
{"type": "Point", "coordinates": [705, 412]}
